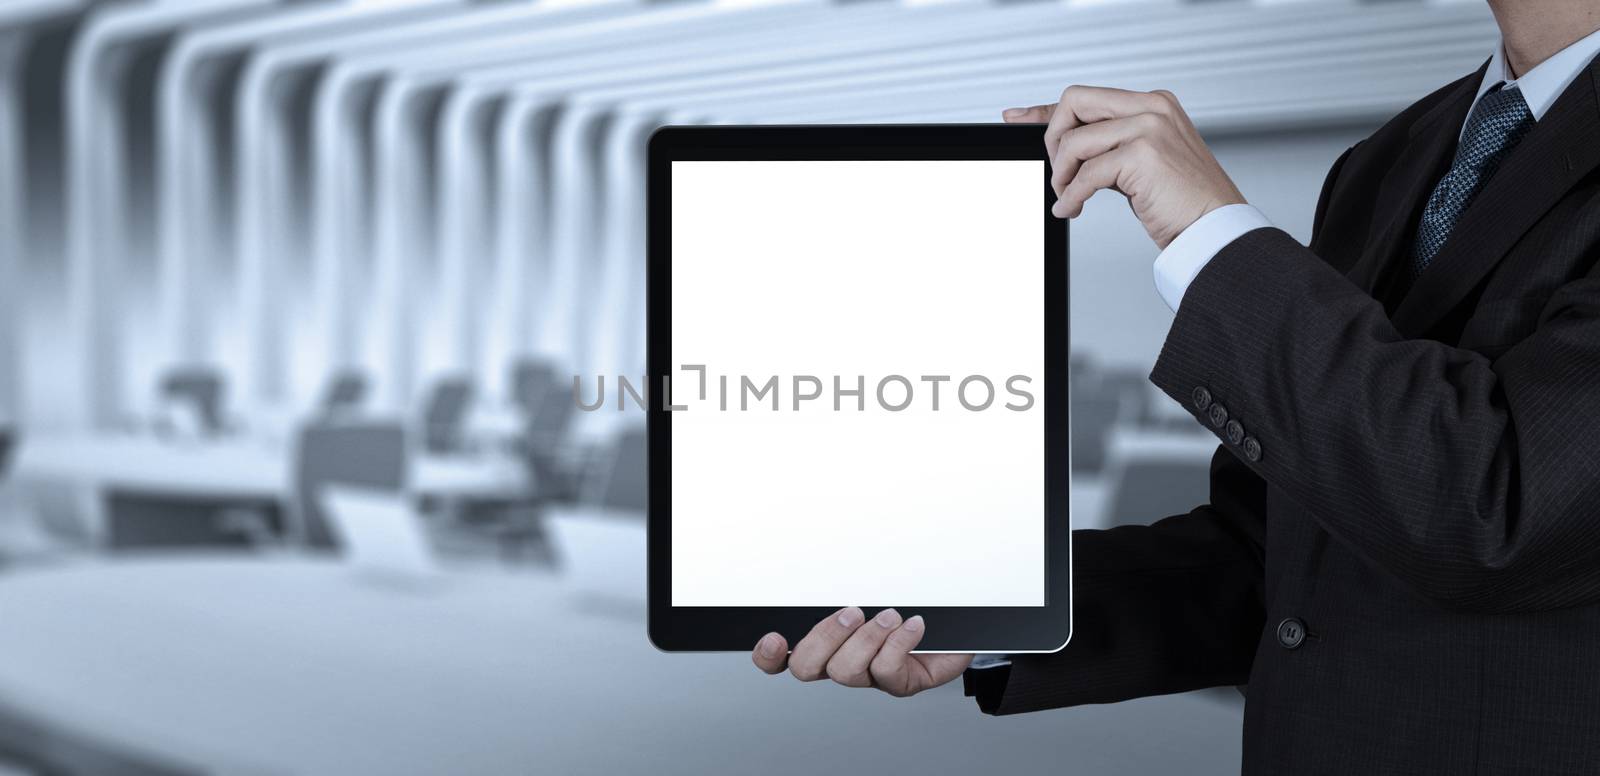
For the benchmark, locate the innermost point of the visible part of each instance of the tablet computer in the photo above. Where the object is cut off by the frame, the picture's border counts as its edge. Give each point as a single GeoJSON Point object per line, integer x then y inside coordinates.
{"type": "Point", "coordinates": [857, 387]}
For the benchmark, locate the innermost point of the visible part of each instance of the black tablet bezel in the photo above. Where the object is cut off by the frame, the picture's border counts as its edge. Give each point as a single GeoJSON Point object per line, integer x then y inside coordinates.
{"type": "Point", "coordinates": [966, 629]}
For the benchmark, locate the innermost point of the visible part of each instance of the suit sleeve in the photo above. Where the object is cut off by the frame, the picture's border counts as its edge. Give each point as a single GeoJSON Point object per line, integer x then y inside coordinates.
{"type": "Point", "coordinates": [1164, 608]}
{"type": "Point", "coordinates": [1471, 480]}
{"type": "Point", "coordinates": [1157, 609]}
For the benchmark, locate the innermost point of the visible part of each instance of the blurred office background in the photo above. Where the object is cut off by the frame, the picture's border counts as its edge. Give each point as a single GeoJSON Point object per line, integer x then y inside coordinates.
{"type": "Point", "coordinates": [292, 291]}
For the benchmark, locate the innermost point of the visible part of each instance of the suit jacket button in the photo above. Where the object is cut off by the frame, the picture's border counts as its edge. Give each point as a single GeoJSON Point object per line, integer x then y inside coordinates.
{"type": "Point", "coordinates": [1235, 432]}
{"type": "Point", "coordinates": [1252, 449]}
{"type": "Point", "coordinates": [1291, 633]}
{"type": "Point", "coordinates": [1202, 398]}
{"type": "Point", "coordinates": [1219, 415]}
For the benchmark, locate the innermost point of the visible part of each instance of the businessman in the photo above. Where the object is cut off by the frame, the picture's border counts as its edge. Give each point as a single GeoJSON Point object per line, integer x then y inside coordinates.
{"type": "Point", "coordinates": [1401, 555]}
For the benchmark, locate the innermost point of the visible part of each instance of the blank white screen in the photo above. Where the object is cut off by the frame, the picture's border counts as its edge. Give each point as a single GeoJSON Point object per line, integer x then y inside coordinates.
{"type": "Point", "coordinates": [857, 269]}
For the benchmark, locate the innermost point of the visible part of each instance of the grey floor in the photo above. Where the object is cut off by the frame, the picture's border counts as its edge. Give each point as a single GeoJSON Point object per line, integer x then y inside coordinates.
{"type": "Point", "coordinates": [298, 667]}
{"type": "Point", "coordinates": [943, 733]}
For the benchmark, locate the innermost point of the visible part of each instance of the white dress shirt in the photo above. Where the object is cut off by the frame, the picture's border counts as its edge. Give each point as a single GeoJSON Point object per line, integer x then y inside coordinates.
{"type": "Point", "coordinates": [1194, 247]}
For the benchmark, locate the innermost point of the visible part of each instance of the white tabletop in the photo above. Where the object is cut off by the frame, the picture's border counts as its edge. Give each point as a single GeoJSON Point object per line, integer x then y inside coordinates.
{"type": "Point", "coordinates": [232, 467]}
{"type": "Point", "coordinates": [298, 666]}
{"type": "Point", "coordinates": [1138, 444]}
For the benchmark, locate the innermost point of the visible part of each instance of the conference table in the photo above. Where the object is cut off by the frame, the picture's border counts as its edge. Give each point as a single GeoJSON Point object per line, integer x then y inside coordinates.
{"type": "Point", "coordinates": [290, 665]}
{"type": "Point", "coordinates": [229, 469]}
{"type": "Point", "coordinates": [1124, 445]}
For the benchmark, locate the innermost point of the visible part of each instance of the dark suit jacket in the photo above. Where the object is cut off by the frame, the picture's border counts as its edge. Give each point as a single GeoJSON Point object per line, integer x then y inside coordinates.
{"type": "Point", "coordinates": [1423, 497]}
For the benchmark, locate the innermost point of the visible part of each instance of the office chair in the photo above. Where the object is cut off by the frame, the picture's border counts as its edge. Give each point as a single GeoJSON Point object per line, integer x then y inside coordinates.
{"type": "Point", "coordinates": [547, 407]}
{"type": "Point", "coordinates": [370, 455]}
{"type": "Point", "coordinates": [517, 523]}
{"type": "Point", "coordinates": [1080, 369]}
{"type": "Point", "coordinates": [329, 452]}
{"type": "Point", "coordinates": [1093, 412]}
{"type": "Point", "coordinates": [200, 388]}
{"type": "Point", "coordinates": [1092, 418]}
{"type": "Point", "coordinates": [8, 441]}
{"type": "Point", "coordinates": [544, 399]}
{"type": "Point", "coordinates": [531, 380]}
{"type": "Point", "coordinates": [23, 537]}
{"type": "Point", "coordinates": [600, 544]}
{"type": "Point", "coordinates": [444, 416]}
{"type": "Point", "coordinates": [346, 392]}
{"type": "Point", "coordinates": [626, 484]}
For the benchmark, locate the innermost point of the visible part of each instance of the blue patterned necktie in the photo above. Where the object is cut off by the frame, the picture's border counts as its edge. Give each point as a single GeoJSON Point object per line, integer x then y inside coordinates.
{"type": "Point", "coordinates": [1498, 121]}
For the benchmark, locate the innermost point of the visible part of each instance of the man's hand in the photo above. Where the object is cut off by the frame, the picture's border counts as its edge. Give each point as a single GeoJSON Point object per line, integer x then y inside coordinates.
{"type": "Point", "coordinates": [1141, 144]}
{"type": "Point", "coordinates": [856, 652]}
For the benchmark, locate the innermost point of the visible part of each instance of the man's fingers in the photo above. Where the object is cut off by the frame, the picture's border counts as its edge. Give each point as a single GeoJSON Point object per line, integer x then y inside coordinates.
{"type": "Point", "coordinates": [1037, 114]}
{"type": "Point", "coordinates": [1088, 104]}
{"type": "Point", "coordinates": [809, 661]}
{"type": "Point", "coordinates": [890, 669]}
{"type": "Point", "coordinates": [1091, 140]}
{"type": "Point", "coordinates": [771, 653]}
{"type": "Point", "coordinates": [944, 666]}
{"type": "Point", "coordinates": [1101, 172]}
{"type": "Point", "coordinates": [849, 665]}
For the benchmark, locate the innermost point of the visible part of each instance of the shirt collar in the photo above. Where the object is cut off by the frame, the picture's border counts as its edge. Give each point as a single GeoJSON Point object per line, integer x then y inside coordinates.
{"type": "Point", "coordinates": [1545, 82]}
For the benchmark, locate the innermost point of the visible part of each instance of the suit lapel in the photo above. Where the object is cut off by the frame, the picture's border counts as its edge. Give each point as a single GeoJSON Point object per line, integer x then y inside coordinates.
{"type": "Point", "coordinates": [1430, 145]}
{"type": "Point", "coordinates": [1562, 148]}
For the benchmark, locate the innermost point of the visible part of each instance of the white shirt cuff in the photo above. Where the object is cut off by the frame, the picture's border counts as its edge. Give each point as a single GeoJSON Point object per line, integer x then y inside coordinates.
{"type": "Point", "coordinates": [1193, 248]}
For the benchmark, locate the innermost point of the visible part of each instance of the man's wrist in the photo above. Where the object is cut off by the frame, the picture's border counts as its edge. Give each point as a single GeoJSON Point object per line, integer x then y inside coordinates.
{"type": "Point", "coordinates": [1194, 247]}
{"type": "Point", "coordinates": [987, 684]}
